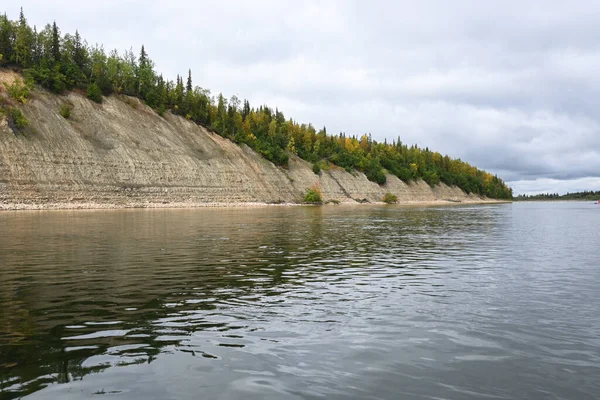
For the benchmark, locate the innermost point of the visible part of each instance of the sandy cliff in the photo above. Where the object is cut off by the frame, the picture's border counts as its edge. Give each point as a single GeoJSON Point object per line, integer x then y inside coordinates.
{"type": "Point", "coordinates": [122, 154]}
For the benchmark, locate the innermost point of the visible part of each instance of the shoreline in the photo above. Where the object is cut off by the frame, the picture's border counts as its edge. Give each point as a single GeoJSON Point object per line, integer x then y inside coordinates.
{"type": "Point", "coordinates": [7, 207]}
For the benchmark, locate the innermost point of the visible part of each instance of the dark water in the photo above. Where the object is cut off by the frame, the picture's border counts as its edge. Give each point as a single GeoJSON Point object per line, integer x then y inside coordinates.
{"type": "Point", "coordinates": [474, 302]}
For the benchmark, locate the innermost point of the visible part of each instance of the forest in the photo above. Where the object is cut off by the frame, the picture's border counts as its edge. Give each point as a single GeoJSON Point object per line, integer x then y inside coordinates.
{"type": "Point", "coordinates": [587, 195]}
{"type": "Point", "coordinates": [61, 63]}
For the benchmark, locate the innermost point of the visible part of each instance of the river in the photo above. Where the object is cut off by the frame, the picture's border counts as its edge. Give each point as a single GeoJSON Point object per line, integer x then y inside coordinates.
{"type": "Point", "coordinates": [336, 302]}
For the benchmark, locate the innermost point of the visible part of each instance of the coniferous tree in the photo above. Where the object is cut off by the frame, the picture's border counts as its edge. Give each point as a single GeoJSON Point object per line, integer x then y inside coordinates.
{"type": "Point", "coordinates": [24, 43]}
{"type": "Point", "coordinates": [79, 52]}
{"type": "Point", "coordinates": [188, 87]}
{"type": "Point", "coordinates": [37, 48]}
{"type": "Point", "coordinates": [145, 74]}
{"type": "Point", "coordinates": [55, 49]}
{"type": "Point", "coordinates": [6, 39]}
{"type": "Point", "coordinates": [246, 109]}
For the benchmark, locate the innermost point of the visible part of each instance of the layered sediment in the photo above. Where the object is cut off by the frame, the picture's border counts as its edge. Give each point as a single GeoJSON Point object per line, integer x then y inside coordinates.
{"type": "Point", "coordinates": [122, 154]}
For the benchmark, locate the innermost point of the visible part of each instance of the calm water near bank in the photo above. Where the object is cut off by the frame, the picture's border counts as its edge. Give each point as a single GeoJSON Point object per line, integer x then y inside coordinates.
{"type": "Point", "coordinates": [465, 302]}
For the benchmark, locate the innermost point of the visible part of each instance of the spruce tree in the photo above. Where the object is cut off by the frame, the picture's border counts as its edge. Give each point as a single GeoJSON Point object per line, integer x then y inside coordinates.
{"type": "Point", "coordinates": [79, 52]}
{"type": "Point", "coordinates": [23, 43]}
{"type": "Point", "coordinates": [188, 87]}
{"type": "Point", "coordinates": [55, 47]}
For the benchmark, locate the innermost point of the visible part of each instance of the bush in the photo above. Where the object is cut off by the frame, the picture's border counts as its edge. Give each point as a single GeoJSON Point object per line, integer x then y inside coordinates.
{"type": "Point", "coordinates": [94, 93]}
{"type": "Point", "coordinates": [321, 165]}
{"type": "Point", "coordinates": [18, 90]}
{"type": "Point", "coordinates": [65, 110]}
{"type": "Point", "coordinates": [390, 198]}
{"type": "Point", "coordinates": [132, 102]}
{"type": "Point", "coordinates": [316, 168]}
{"type": "Point", "coordinates": [313, 195]}
{"type": "Point", "coordinates": [16, 119]}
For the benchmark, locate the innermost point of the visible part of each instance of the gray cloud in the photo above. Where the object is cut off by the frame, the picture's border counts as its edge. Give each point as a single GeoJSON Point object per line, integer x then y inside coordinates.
{"type": "Point", "coordinates": [511, 88]}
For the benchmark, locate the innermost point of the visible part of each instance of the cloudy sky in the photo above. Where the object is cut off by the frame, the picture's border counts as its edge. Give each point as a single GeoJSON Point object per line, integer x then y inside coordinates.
{"type": "Point", "coordinates": [512, 87]}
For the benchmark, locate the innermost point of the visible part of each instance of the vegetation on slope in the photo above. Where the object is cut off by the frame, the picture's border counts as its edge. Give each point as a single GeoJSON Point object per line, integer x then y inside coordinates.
{"type": "Point", "coordinates": [60, 63]}
{"type": "Point", "coordinates": [314, 195]}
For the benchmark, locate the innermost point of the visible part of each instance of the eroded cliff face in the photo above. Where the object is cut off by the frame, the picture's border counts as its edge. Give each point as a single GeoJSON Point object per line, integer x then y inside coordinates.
{"type": "Point", "coordinates": [122, 154]}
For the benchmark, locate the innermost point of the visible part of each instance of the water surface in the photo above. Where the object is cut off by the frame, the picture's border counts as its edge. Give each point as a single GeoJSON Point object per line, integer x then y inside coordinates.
{"type": "Point", "coordinates": [464, 302]}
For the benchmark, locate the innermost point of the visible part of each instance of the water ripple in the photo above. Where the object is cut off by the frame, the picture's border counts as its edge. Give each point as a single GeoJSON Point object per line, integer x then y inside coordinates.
{"type": "Point", "coordinates": [365, 302]}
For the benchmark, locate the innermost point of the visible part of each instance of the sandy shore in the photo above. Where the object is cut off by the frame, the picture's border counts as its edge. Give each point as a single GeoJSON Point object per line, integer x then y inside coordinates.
{"type": "Point", "coordinates": [114, 206]}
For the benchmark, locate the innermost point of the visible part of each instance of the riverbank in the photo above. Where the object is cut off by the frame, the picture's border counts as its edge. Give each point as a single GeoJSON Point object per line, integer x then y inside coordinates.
{"type": "Point", "coordinates": [184, 205]}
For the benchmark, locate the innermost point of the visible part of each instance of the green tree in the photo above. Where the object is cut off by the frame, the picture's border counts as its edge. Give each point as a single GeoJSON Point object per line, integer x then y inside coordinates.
{"type": "Point", "coordinates": [6, 39]}
{"type": "Point", "coordinates": [189, 88]}
{"type": "Point", "coordinates": [24, 43]}
{"type": "Point", "coordinates": [79, 52]}
{"type": "Point", "coordinates": [146, 77]}
{"type": "Point", "coordinates": [94, 92]}
{"type": "Point", "coordinates": [55, 46]}
{"type": "Point", "coordinates": [99, 69]}
{"type": "Point", "coordinates": [221, 121]}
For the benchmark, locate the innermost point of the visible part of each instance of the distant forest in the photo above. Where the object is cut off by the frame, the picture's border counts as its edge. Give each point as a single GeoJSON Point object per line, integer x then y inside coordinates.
{"type": "Point", "coordinates": [585, 195]}
{"type": "Point", "coordinates": [62, 63]}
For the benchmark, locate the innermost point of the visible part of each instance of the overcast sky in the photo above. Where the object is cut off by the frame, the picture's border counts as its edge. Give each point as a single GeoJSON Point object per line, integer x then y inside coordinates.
{"type": "Point", "coordinates": [512, 87]}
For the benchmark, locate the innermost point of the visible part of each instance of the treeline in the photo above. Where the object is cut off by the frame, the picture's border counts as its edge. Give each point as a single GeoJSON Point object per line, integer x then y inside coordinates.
{"type": "Point", "coordinates": [586, 195]}
{"type": "Point", "coordinates": [65, 62]}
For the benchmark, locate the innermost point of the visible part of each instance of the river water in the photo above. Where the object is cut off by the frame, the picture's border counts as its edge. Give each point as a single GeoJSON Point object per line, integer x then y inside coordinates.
{"type": "Point", "coordinates": [464, 302]}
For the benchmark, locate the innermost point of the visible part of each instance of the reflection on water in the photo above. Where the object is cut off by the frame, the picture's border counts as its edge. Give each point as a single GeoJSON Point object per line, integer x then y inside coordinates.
{"type": "Point", "coordinates": [332, 302]}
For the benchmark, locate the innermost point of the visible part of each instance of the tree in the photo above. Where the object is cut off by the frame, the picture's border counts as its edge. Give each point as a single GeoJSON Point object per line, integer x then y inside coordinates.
{"type": "Point", "coordinates": [6, 39]}
{"type": "Point", "coordinates": [146, 77]}
{"type": "Point", "coordinates": [94, 93]}
{"type": "Point", "coordinates": [114, 72]}
{"type": "Point", "coordinates": [79, 55]}
{"type": "Point", "coordinates": [37, 51]}
{"type": "Point", "coordinates": [178, 93]}
{"type": "Point", "coordinates": [55, 49]}
{"type": "Point", "coordinates": [246, 109]}
{"type": "Point", "coordinates": [221, 122]}
{"type": "Point", "coordinates": [161, 92]}
{"type": "Point", "coordinates": [24, 43]}
{"type": "Point", "coordinates": [188, 87]}
{"type": "Point", "coordinates": [99, 69]}
{"type": "Point", "coordinates": [128, 74]}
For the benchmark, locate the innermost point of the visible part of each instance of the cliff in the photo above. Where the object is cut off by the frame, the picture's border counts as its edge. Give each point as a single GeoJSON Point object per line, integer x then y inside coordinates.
{"type": "Point", "coordinates": [122, 154]}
